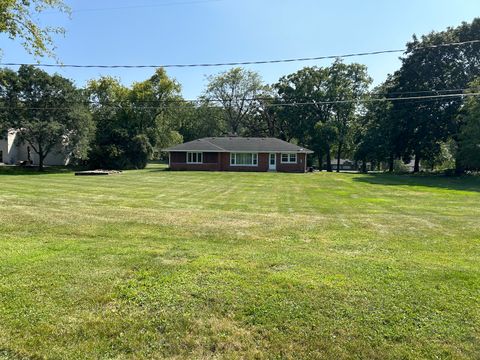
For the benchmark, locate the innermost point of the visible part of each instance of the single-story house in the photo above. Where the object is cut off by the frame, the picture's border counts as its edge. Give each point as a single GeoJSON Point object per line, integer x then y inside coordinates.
{"type": "Point", "coordinates": [238, 154]}
{"type": "Point", "coordinates": [14, 151]}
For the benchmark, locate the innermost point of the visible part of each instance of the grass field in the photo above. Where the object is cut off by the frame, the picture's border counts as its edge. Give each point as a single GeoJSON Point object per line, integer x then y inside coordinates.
{"type": "Point", "coordinates": [159, 264]}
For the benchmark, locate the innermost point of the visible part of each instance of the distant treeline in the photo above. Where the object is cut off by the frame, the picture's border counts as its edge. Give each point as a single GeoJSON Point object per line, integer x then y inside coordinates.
{"type": "Point", "coordinates": [427, 111]}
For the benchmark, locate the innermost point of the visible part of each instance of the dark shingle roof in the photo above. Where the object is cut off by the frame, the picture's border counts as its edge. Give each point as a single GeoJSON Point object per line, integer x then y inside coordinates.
{"type": "Point", "coordinates": [232, 144]}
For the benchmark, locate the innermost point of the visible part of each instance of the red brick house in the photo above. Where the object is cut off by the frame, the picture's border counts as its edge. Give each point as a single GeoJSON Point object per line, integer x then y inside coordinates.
{"type": "Point", "coordinates": [238, 154]}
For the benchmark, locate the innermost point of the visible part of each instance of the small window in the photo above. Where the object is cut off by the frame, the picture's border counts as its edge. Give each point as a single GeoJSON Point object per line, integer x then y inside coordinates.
{"type": "Point", "coordinates": [194, 158]}
{"type": "Point", "coordinates": [290, 158]}
{"type": "Point", "coordinates": [244, 159]}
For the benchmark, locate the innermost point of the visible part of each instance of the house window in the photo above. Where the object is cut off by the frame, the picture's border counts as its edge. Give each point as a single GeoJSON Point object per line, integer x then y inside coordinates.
{"type": "Point", "coordinates": [290, 158]}
{"type": "Point", "coordinates": [243, 159]}
{"type": "Point", "coordinates": [194, 158]}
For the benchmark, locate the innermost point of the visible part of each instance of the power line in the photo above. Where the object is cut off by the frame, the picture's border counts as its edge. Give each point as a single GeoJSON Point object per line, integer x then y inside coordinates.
{"type": "Point", "coordinates": [259, 98]}
{"type": "Point", "coordinates": [366, 100]}
{"type": "Point", "coordinates": [238, 63]}
{"type": "Point", "coordinates": [379, 99]}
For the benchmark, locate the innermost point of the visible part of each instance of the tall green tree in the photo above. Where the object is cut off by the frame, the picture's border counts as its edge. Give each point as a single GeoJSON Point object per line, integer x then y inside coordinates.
{"type": "Point", "coordinates": [236, 91]}
{"type": "Point", "coordinates": [305, 95]}
{"type": "Point", "coordinates": [348, 85]}
{"type": "Point", "coordinates": [427, 69]}
{"type": "Point", "coordinates": [48, 111]}
{"type": "Point", "coordinates": [194, 121]}
{"type": "Point", "coordinates": [323, 101]}
{"type": "Point", "coordinates": [153, 103]}
{"type": "Point", "coordinates": [267, 120]}
{"type": "Point", "coordinates": [9, 84]}
{"type": "Point", "coordinates": [132, 123]}
{"type": "Point", "coordinates": [469, 137]}
{"type": "Point", "coordinates": [113, 146]}
{"type": "Point", "coordinates": [379, 131]}
{"type": "Point", "coordinates": [18, 20]}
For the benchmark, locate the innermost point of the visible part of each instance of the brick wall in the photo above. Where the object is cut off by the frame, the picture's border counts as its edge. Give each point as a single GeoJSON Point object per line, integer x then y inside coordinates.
{"type": "Point", "coordinates": [262, 163]}
{"type": "Point", "coordinates": [221, 162]}
{"type": "Point", "coordinates": [300, 166]}
{"type": "Point", "coordinates": [178, 161]}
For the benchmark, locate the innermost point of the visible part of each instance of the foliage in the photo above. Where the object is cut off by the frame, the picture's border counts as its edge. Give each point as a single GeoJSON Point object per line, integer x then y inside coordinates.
{"type": "Point", "coordinates": [429, 70]}
{"type": "Point", "coordinates": [400, 167]}
{"type": "Point", "coordinates": [17, 20]}
{"type": "Point", "coordinates": [194, 121]}
{"type": "Point", "coordinates": [308, 85]}
{"type": "Point", "coordinates": [378, 134]}
{"type": "Point", "coordinates": [132, 123]}
{"type": "Point", "coordinates": [236, 90]}
{"type": "Point", "coordinates": [348, 84]}
{"type": "Point", "coordinates": [313, 96]}
{"type": "Point", "coordinates": [444, 159]}
{"type": "Point", "coordinates": [47, 110]}
{"type": "Point", "coordinates": [469, 139]}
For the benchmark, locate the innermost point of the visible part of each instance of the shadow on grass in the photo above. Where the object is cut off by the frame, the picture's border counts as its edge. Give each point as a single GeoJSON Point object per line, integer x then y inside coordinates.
{"type": "Point", "coordinates": [462, 183]}
{"type": "Point", "coordinates": [19, 170]}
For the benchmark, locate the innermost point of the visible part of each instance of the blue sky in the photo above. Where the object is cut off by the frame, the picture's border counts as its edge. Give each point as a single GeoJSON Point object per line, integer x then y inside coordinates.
{"type": "Point", "coordinates": [192, 31]}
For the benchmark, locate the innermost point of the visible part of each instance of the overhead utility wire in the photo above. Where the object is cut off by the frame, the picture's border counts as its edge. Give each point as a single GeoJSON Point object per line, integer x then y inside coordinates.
{"type": "Point", "coordinates": [199, 101]}
{"type": "Point", "coordinates": [428, 97]}
{"type": "Point", "coordinates": [259, 62]}
{"type": "Point", "coordinates": [379, 99]}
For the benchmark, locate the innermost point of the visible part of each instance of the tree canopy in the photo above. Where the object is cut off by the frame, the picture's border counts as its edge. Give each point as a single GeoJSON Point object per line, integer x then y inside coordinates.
{"type": "Point", "coordinates": [18, 20]}
{"type": "Point", "coordinates": [132, 122]}
{"type": "Point", "coordinates": [329, 109]}
{"type": "Point", "coordinates": [236, 91]}
{"type": "Point", "coordinates": [48, 111]}
{"type": "Point", "coordinates": [469, 137]}
{"type": "Point", "coordinates": [321, 105]}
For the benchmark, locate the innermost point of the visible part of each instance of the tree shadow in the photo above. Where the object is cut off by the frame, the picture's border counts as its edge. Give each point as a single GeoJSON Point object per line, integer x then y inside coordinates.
{"type": "Point", "coordinates": [33, 170]}
{"type": "Point", "coordinates": [461, 183]}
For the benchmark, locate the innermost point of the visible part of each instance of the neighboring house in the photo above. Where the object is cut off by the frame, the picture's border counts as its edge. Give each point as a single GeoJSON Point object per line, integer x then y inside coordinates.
{"type": "Point", "coordinates": [345, 164]}
{"type": "Point", "coordinates": [238, 154]}
{"type": "Point", "coordinates": [14, 151]}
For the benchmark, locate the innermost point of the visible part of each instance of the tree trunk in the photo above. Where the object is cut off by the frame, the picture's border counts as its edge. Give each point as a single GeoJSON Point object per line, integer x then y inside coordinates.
{"type": "Point", "coordinates": [320, 158]}
{"type": "Point", "coordinates": [329, 160]}
{"type": "Point", "coordinates": [339, 153]}
{"type": "Point", "coordinates": [41, 158]}
{"type": "Point", "coordinates": [459, 169]}
{"type": "Point", "coordinates": [391, 163]}
{"type": "Point", "coordinates": [364, 165]}
{"type": "Point", "coordinates": [416, 166]}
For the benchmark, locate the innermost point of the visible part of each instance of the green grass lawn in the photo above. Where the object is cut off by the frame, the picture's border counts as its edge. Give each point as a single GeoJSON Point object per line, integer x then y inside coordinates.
{"type": "Point", "coordinates": [158, 264]}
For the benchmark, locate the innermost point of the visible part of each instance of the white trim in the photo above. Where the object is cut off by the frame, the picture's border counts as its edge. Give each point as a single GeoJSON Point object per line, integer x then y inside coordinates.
{"type": "Point", "coordinates": [289, 161]}
{"type": "Point", "coordinates": [194, 162]}
{"type": "Point", "coordinates": [233, 155]}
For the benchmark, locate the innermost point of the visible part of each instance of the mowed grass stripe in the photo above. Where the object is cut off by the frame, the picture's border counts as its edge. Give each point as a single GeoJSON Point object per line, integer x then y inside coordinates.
{"type": "Point", "coordinates": [158, 264]}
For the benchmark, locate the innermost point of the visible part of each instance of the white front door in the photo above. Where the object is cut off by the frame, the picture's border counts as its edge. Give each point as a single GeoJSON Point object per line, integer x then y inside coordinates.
{"type": "Point", "coordinates": [272, 161]}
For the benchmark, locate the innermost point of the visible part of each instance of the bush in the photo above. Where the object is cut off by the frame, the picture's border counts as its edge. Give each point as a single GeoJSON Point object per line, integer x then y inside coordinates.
{"type": "Point", "coordinates": [139, 152]}
{"type": "Point", "coordinates": [400, 167]}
